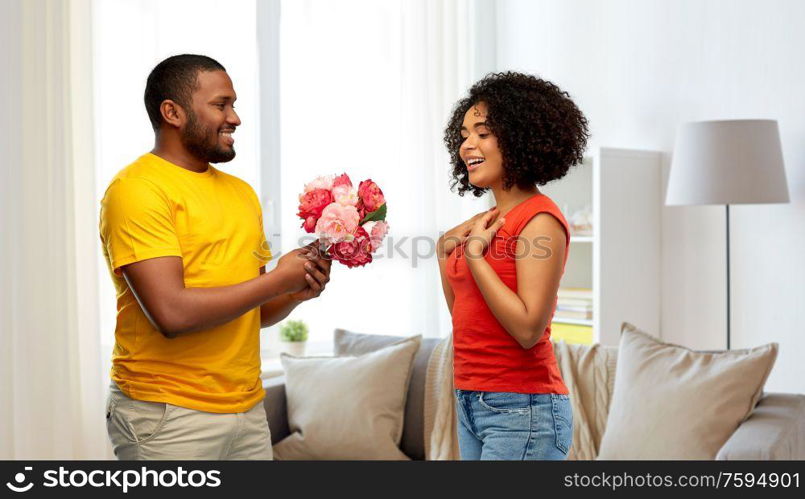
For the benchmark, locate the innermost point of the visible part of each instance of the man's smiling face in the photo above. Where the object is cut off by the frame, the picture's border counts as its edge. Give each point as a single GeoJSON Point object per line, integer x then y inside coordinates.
{"type": "Point", "coordinates": [211, 118]}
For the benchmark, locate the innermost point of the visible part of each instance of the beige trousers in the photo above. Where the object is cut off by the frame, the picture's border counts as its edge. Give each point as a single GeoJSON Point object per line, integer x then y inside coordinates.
{"type": "Point", "coordinates": [155, 430]}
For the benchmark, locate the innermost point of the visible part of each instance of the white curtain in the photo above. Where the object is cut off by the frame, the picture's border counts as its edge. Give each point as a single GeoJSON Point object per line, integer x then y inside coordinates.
{"type": "Point", "coordinates": [50, 370]}
{"type": "Point", "coordinates": [366, 87]}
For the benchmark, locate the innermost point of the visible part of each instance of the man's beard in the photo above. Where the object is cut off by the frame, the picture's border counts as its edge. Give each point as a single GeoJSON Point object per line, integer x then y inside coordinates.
{"type": "Point", "coordinates": [199, 142]}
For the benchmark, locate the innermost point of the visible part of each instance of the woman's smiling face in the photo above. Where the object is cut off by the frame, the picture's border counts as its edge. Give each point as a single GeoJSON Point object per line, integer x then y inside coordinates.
{"type": "Point", "coordinates": [480, 151]}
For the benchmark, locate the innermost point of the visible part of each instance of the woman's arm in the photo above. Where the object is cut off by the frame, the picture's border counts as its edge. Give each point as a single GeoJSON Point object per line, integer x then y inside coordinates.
{"type": "Point", "coordinates": [447, 244]}
{"type": "Point", "coordinates": [526, 313]}
{"type": "Point", "coordinates": [446, 288]}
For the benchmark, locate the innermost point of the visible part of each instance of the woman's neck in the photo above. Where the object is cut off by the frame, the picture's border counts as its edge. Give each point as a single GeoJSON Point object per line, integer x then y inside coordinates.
{"type": "Point", "coordinates": [506, 200]}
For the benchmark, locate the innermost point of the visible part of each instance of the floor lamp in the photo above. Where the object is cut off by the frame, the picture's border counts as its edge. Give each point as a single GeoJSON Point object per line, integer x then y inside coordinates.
{"type": "Point", "coordinates": [727, 162]}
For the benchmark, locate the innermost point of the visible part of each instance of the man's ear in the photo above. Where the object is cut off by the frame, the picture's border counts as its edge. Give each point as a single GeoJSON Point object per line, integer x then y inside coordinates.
{"type": "Point", "coordinates": [172, 113]}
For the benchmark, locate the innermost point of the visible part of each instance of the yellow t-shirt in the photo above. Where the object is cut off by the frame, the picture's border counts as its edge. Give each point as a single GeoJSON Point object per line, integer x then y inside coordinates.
{"type": "Point", "coordinates": [213, 221]}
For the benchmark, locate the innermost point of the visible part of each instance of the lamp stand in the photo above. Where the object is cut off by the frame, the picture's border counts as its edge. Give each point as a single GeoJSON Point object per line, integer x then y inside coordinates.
{"type": "Point", "coordinates": [728, 277]}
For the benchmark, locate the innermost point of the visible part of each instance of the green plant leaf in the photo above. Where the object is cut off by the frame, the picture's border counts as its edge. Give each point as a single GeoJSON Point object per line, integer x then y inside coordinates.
{"type": "Point", "coordinates": [377, 215]}
{"type": "Point", "coordinates": [293, 331]}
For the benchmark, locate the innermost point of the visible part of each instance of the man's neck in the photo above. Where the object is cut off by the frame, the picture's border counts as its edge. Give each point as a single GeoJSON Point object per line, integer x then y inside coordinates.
{"type": "Point", "coordinates": [179, 156]}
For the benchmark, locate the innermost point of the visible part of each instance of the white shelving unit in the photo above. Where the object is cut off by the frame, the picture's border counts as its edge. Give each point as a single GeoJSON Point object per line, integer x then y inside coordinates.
{"type": "Point", "coordinates": [620, 262]}
{"type": "Point", "coordinates": [577, 322]}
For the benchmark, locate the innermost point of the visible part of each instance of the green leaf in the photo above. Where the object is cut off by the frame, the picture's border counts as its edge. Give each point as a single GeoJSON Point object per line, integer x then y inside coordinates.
{"type": "Point", "coordinates": [377, 215]}
{"type": "Point", "coordinates": [293, 331]}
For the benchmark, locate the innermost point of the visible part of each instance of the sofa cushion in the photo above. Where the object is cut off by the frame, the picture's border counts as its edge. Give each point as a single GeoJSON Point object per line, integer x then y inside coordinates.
{"type": "Point", "coordinates": [774, 431]}
{"type": "Point", "coordinates": [671, 402]}
{"type": "Point", "coordinates": [347, 407]}
{"type": "Point", "coordinates": [413, 439]}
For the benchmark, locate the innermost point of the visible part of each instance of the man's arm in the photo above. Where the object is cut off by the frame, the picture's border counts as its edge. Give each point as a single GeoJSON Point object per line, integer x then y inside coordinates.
{"type": "Point", "coordinates": [275, 310]}
{"type": "Point", "coordinates": [173, 309]}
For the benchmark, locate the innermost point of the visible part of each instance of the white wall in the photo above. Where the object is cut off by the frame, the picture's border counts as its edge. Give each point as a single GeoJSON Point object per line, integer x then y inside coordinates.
{"type": "Point", "coordinates": [638, 69]}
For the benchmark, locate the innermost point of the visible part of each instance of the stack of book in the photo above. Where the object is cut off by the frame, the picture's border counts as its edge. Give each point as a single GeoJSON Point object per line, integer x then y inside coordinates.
{"type": "Point", "coordinates": [575, 304]}
{"type": "Point", "coordinates": [572, 321]}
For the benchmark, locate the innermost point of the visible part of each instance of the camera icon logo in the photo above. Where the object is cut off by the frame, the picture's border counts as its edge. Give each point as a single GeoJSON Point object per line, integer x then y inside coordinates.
{"type": "Point", "coordinates": [19, 478]}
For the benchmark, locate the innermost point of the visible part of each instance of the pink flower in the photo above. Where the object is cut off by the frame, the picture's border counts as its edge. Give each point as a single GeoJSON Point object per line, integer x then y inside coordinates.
{"type": "Point", "coordinates": [325, 182]}
{"type": "Point", "coordinates": [354, 253]}
{"type": "Point", "coordinates": [313, 203]}
{"type": "Point", "coordinates": [342, 179]}
{"type": "Point", "coordinates": [309, 224]}
{"type": "Point", "coordinates": [371, 196]}
{"type": "Point", "coordinates": [337, 223]}
{"type": "Point", "coordinates": [345, 195]}
{"type": "Point", "coordinates": [377, 230]}
{"type": "Point", "coordinates": [332, 208]}
{"type": "Point", "coordinates": [311, 206]}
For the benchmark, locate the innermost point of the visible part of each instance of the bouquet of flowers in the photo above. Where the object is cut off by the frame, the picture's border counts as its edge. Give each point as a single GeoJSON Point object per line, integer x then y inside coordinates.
{"type": "Point", "coordinates": [350, 223]}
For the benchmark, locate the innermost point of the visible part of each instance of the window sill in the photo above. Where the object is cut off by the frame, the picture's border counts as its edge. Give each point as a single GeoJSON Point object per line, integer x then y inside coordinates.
{"type": "Point", "coordinates": [272, 365]}
{"type": "Point", "coordinates": [271, 368]}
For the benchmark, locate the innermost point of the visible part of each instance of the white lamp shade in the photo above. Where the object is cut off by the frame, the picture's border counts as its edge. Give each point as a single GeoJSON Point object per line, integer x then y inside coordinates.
{"type": "Point", "coordinates": [727, 162]}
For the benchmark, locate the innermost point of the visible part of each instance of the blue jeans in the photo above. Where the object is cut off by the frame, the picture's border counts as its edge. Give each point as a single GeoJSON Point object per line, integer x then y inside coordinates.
{"type": "Point", "coordinates": [513, 426]}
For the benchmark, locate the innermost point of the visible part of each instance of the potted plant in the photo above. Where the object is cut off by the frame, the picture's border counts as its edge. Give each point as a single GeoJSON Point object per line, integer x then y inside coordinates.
{"type": "Point", "coordinates": [293, 335]}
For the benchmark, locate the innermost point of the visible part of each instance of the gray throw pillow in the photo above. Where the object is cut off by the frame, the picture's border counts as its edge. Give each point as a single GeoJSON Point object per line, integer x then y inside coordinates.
{"type": "Point", "coordinates": [347, 407]}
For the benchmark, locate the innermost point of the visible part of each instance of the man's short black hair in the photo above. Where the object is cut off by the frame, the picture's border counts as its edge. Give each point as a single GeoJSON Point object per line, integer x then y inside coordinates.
{"type": "Point", "coordinates": [175, 78]}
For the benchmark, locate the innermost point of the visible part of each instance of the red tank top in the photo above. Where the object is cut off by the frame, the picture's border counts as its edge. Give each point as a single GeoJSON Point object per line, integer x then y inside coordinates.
{"type": "Point", "coordinates": [486, 357]}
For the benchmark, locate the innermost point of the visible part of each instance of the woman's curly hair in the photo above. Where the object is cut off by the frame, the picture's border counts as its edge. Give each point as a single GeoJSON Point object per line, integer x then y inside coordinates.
{"type": "Point", "coordinates": [540, 131]}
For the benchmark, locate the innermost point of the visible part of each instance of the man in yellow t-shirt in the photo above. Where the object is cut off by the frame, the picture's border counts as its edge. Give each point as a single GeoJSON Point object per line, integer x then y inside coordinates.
{"type": "Point", "coordinates": [185, 248]}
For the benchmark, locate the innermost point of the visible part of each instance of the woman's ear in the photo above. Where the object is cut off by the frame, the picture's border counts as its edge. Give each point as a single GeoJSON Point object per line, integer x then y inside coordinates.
{"type": "Point", "coordinates": [172, 113]}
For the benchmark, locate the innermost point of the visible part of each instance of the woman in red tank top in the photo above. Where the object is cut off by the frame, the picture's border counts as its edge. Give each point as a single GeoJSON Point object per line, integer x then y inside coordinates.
{"type": "Point", "coordinates": [501, 269]}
